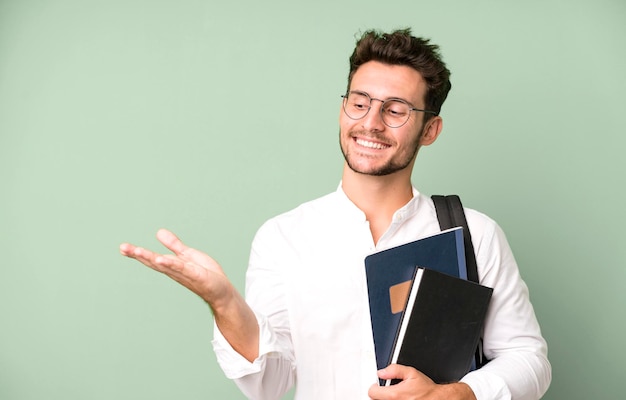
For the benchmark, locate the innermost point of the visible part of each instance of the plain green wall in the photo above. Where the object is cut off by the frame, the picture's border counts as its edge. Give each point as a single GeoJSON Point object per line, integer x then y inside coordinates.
{"type": "Point", "coordinates": [121, 117]}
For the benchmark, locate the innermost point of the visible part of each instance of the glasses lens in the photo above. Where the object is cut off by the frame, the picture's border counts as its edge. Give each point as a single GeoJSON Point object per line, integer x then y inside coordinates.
{"type": "Point", "coordinates": [395, 113]}
{"type": "Point", "coordinates": [356, 105]}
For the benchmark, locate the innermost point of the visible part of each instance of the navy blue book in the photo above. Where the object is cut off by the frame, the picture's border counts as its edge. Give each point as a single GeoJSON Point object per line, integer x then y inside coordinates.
{"type": "Point", "coordinates": [389, 276]}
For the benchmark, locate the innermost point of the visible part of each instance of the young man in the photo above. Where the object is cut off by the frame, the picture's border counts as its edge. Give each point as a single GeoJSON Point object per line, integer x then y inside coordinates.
{"type": "Point", "coordinates": [305, 320]}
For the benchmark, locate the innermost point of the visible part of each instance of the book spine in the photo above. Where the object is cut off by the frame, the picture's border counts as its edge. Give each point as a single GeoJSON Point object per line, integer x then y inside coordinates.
{"type": "Point", "coordinates": [404, 322]}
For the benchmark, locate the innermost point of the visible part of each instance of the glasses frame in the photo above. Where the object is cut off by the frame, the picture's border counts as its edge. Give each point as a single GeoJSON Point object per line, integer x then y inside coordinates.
{"type": "Point", "coordinates": [382, 107]}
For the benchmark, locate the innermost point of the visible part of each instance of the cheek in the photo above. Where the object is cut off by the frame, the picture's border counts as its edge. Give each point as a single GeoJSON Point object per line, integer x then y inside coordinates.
{"type": "Point", "coordinates": [346, 125]}
{"type": "Point", "coordinates": [344, 120]}
{"type": "Point", "coordinates": [411, 139]}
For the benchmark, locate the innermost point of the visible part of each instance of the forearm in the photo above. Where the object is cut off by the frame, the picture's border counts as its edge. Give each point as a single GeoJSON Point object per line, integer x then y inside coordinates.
{"type": "Point", "coordinates": [457, 391]}
{"type": "Point", "coordinates": [238, 324]}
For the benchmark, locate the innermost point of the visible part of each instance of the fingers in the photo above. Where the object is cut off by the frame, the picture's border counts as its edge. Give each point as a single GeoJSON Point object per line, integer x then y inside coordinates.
{"type": "Point", "coordinates": [394, 371]}
{"type": "Point", "coordinates": [413, 384]}
{"type": "Point", "coordinates": [167, 238]}
{"type": "Point", "coordinates": [403, 373]}
{"type": "Point", "coordinates": [185, 263]}
{"type": "Point", "coordinates": [174, 265]}
{"type": "Point", "coordinates": [171, 262]}
{"type": "Point", "coordinates": [126, 249]}
{"type": "Point", "coordinates": [151, 259]}
{"type": "Point", "coordinates": [185, 253]}
{"type": "Point", "coordinates": [133, 251]}
{"type": "Point", "coordinates": [191, 268]}
{"type": "Point", "coordinates": [172, 242]}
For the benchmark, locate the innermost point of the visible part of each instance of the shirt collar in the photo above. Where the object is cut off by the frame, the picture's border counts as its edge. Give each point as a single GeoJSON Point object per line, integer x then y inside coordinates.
{"type": "Point", "coordinates": [402, 214]}
{"type": "Point", "coordinates": [408, 210]}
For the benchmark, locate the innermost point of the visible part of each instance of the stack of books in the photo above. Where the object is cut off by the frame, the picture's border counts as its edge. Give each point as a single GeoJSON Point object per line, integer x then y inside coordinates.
{"type": "Point", "coordinates": [424, 312]}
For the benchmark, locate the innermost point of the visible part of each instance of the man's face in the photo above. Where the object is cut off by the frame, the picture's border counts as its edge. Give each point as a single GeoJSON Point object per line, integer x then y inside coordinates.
{"type": "Point", "coordinates": [368, 145]}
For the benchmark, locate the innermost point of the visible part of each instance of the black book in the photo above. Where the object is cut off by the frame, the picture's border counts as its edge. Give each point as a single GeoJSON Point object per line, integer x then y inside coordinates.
{"type": "Point", "coordinates": [441, 325]}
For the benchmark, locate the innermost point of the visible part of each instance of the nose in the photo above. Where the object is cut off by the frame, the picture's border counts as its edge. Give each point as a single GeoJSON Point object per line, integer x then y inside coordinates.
{"type": "Point", "coordinates": [373, 121]}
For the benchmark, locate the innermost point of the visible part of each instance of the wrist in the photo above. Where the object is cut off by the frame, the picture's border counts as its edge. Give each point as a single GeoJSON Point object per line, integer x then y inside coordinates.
{"type": "Point", "coordinates": [224, 302]}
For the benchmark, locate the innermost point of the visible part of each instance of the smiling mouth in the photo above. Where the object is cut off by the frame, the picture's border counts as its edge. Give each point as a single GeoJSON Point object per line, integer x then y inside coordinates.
{"type": "Point", "coordinates": [371, 145]}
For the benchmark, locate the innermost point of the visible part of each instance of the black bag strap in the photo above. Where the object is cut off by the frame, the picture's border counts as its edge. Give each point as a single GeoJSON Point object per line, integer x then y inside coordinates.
{"type": "Point", "coordinates": [450, 214]}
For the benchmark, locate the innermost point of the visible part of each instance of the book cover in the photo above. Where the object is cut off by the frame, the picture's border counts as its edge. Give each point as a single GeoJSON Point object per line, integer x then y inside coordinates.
{"type": "Point", "coordinates": [441, 325]}
{"type": "Point", "coordinates": [389, 275]}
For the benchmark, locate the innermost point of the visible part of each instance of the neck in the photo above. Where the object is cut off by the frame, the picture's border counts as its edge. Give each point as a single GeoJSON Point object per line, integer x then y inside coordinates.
{"type": "Point", "coordinates": [379, 197]}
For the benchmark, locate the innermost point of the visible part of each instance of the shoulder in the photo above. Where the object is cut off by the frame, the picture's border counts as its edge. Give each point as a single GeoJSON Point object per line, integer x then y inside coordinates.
{"type": "Point", "coordinates": [486, 234]}
{"type": "Point", "coordinates": [478, 222]}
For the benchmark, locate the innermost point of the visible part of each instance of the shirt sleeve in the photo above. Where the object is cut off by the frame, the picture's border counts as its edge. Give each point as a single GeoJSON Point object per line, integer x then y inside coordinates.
{"type": "Point", "coordinates": [519, 368]}
{"type": "Point", "coordinates": [251, 377]}
{"type": "Point", "coordinates": [272, 374]}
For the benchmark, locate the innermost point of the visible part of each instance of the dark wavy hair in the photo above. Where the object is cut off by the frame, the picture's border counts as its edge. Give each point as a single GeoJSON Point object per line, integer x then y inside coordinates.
{"type": "Point", "coordinates": [401, 48]}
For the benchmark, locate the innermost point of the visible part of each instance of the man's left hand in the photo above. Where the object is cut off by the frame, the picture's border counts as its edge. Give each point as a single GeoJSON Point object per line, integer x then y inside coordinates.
{"type": "Point", "coordinates": [415, 385]}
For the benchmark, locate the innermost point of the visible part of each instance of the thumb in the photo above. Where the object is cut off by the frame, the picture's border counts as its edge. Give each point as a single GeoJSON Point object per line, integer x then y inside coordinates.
{"type": "Point", "coordinates": [171, 241]}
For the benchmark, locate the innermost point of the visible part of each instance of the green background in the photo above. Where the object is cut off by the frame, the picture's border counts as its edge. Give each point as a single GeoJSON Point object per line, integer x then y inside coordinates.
{"type": "Point", "coordinates": [121, 117]}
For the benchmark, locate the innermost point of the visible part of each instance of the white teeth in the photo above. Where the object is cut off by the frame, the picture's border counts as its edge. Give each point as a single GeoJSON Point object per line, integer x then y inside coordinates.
{"type": "Point", "coordinates": [371, 145]}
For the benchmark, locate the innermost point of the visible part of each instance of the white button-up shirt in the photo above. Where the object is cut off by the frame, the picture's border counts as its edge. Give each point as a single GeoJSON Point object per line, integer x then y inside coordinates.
{"type": "Point", "coordinates": [306, 283]}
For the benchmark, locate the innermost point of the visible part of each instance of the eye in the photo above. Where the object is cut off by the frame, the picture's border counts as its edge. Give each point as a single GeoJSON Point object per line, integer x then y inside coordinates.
{"type": "Point", "coordinates": [359, 101]}
{"type": "Point", "coordinates": [396, 108]}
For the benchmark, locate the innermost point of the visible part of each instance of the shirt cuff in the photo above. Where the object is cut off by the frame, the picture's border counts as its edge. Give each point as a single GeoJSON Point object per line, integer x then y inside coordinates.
{"type": "Point", "coordinates": [234, 364]}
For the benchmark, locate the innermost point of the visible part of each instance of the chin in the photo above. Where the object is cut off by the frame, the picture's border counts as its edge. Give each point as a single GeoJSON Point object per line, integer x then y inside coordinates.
{"type": "Point", "coordinates": [383, 170]}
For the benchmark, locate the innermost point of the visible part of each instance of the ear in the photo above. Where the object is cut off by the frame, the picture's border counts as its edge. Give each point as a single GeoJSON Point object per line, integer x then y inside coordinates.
{"type": "Point", "coordinates": [431, 131]}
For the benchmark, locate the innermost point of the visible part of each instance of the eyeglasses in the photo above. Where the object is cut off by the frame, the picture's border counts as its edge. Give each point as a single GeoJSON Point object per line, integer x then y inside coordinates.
{"type": "Point", "coordinates": [394, 112]}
